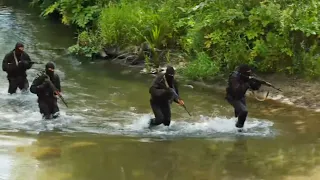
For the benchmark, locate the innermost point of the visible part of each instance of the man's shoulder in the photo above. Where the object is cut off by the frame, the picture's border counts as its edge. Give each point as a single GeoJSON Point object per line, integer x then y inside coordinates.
{"type": "Point", "coordinates": [56, 76]}
{"type": "Point", "coordinates": [9, 54]}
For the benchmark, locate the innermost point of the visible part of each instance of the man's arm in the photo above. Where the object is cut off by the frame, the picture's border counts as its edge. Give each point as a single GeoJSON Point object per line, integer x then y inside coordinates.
{"type": "Point", "coordinates": [38, 85]}
{"type": "Point", "coordinates": [176, 88]}
{"type": "Point", "coordinates": [57, 83]}
{"type": "Point", "coordinates": [5, 63]}
{"type": "Point", "coordinates": [238, 88]}
{"type": "Point", "coordinates": [26, 61]}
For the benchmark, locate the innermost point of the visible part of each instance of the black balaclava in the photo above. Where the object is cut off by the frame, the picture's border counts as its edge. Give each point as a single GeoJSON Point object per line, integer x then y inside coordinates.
{"type": "Point", "coordinates": [245, 70]}
{"type": "Point", "coordinates": [170, 75]}
{"type": "Point", "coordinates": [17, 50]}
{"type": "Point", "coordinates": [50, 73]}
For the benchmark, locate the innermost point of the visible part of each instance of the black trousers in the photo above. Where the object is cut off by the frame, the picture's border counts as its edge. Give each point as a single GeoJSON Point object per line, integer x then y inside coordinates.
{"type": "Point", "coordinates": [240, 110]}
{"type": "Point", "coordinates": [17, 82]}
{"type": "Point", "coordinates": [162, 113]}
{"type": "Point", "coordinates": [48, 107]}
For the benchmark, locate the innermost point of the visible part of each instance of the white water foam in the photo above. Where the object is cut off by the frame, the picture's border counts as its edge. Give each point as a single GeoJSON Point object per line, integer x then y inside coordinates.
{"type": "Point", "coordinates": [20, 112]}
{"type": "Point", "coordinates": [201, 127]}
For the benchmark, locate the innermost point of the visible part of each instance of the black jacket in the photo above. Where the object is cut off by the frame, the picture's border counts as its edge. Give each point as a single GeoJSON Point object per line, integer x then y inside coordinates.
{"type": "Point", "coordinates": [237, 87]}
{"type": "Point", "coordinates": [43, 89]}
{"type": "Point", "coordinates": [13, 70]}
{"type": "Point", "coordinates": [160, 93]}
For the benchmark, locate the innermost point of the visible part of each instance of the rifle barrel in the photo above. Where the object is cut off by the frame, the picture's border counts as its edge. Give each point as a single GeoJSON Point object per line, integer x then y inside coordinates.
{"type": "Point", "coordinates": [177, 96]}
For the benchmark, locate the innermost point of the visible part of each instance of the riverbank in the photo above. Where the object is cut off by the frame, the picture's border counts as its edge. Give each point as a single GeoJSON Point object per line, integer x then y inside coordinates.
{"type": "Point", "coordinates": [272, 36]}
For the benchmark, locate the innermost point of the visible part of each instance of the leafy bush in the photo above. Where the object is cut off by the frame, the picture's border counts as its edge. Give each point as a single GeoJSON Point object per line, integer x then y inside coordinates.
{"type": "Point", "coordinates": [271, 35]}
{"type": "Point", "coordinates": [201, 68]}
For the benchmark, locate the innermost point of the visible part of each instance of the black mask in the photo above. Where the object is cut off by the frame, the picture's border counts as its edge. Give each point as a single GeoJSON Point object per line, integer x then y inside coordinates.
{"type": "Point", "coordinates": [245, 71]}
{"type": "Point", "coordinates": [169, 75]}
{"type": "Point", "coordinates": [50, 69]}
{"type": "Point", "coordinates": [17, 50]}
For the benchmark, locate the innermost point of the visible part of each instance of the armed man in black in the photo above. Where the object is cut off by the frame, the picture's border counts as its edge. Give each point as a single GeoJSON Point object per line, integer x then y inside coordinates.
{"type": "Point", "coordinates": [16, 63]}
{"type": "Point", "coordinates": [47, 99]}
{"type": "Point", "coordinates": [164, 89]}
{"type": "Point", "coordinates": [239, 82]}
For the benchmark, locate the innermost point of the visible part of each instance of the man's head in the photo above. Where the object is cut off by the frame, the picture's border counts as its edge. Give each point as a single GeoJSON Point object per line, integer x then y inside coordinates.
{"type": "Point", "coordinates": [50, 69]}
{"type": "Point", "coordinates": [245, 69]}
{"type": "Point", "coordinates": [169, 74]}
{"type": "Point", "coordinates": [19, 48]}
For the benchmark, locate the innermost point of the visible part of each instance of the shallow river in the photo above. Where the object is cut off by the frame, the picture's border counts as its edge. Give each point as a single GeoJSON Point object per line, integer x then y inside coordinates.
{"type": "Point", "coordinates": [104, 135]}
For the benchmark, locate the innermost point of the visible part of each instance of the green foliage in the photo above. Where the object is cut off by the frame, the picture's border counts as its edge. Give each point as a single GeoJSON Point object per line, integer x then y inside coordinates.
{"type": "Point", "coordinates": [88, 43]}
{"type": "Point", "coordinates": [271, 35]}
{"type": "Point", "coordinates": [201, 68]}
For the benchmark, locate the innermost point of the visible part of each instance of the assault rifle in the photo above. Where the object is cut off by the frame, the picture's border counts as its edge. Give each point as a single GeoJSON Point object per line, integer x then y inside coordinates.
{"type": "Point", "coordinates": [262, 82]}
{"type": "Point", "coordinates": [176, 96]}
{"type": "Point", "coordinates": [53, 87]}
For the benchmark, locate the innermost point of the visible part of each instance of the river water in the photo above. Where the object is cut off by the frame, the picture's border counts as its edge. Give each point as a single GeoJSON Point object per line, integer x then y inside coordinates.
{"type": "Point", "coordinates": [104, 135]}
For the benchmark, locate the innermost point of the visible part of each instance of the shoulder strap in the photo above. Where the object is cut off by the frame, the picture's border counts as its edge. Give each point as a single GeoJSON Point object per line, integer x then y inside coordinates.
{"type": "Point", "coordinates": [15, 57]}
{"type": "Point", "coordinates": [165, 81]}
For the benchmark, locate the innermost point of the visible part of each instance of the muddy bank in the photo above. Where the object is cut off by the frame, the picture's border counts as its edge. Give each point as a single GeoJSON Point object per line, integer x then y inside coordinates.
{"type": "Point", "coordinates": [295, 91]}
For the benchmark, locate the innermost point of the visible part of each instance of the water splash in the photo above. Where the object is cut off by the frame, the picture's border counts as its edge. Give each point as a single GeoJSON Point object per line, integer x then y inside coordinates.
{"type": "Point", "coordinates": [200, 127]}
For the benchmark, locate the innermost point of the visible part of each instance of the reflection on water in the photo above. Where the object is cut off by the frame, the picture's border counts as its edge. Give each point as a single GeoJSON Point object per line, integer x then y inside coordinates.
{"type": "Point", "coordinates": [13, 164]}
{"type": "Point", "coordinates": [84, 157]}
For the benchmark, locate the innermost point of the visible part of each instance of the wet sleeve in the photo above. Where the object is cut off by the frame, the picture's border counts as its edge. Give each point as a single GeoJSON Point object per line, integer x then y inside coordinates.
{"type": "Point", "coordinates": [254, 85]}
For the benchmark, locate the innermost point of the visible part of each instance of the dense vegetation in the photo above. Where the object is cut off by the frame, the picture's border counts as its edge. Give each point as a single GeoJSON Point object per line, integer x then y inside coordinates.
{"type": "Point", "coordinates": [271, 35]}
